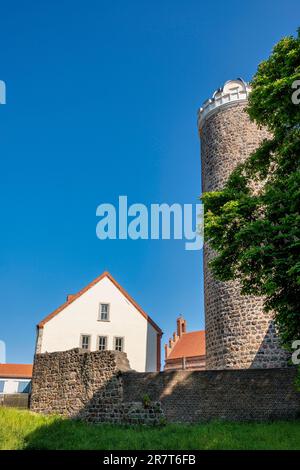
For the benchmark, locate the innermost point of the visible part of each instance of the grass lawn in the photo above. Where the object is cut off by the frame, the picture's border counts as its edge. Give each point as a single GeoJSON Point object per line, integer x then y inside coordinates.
{"type": "Point", "coordinates": [25, 430]}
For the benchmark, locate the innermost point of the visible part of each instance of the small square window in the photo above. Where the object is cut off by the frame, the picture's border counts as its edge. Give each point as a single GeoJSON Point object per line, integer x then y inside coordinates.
{"type": "Point", "coordinates": [104, 312]}
{"type": "Point", "coordinates": [85, 341]}
{"type": "Point", "coordinates": [102, 343]}
{"type": "Point", "coordinates": [119, 344]}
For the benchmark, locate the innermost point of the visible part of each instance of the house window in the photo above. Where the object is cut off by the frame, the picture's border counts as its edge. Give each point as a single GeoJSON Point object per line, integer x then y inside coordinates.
{"type": "Point", "coordinates": [85, 341]}
{"type": "Point", "coordinates": [23, 387]}
{"type": "Point", "coordinates": [104, 312]}
{"type": "Point", "coordinates": [119, 344]}
{"type": "Point", "coordinates": [102, 343]}
{"type": "Point", "coordinates": [2, 383]}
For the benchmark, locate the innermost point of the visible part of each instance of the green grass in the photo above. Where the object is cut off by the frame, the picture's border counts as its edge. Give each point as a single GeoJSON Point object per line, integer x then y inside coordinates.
{"type": "Point", "coordinates": [26, 430]}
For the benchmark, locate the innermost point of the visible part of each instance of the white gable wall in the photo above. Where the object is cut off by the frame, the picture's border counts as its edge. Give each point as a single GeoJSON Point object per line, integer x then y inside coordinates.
{"type": "Point", "coordinates": [63, 331]}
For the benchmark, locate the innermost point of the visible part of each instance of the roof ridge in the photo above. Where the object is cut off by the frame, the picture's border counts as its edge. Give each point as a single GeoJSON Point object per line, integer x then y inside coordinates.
{"type": "Point", "coordinates": [89, 286]}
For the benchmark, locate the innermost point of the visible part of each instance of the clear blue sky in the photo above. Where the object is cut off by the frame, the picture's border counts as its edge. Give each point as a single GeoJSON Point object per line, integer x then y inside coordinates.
{"type": "Point", "coordinates": [101, 101]}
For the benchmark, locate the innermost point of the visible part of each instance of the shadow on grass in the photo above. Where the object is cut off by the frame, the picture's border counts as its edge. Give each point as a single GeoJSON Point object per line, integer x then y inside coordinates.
{"type": "Point", "coordinates": [64, 434]}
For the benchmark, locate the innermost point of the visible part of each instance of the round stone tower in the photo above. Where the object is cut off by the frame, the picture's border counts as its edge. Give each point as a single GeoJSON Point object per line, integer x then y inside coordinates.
{"type": "Point", "coordinates": [238, 333]}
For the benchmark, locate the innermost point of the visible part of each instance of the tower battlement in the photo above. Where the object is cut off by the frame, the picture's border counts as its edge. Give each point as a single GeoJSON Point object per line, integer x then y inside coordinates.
{"type": "Point", "coordinates": [231, 92]}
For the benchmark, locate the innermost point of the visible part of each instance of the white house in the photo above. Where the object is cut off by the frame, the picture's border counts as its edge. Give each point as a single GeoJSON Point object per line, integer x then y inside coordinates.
{"type": "Point", "coordinates": [15, 378]}
{"type": "Point", "coordinates": [103, 316]}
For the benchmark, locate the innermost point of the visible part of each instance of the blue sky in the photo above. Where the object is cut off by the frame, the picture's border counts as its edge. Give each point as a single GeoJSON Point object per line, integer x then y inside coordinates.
{"type": "Point", "coordinates": [102, 99]}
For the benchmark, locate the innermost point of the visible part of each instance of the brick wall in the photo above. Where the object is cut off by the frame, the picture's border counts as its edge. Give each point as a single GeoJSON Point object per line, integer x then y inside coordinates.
{"type": "Point", "coordinates": [15, 400]}
{"type": "Point", "coordinates": [233, 395]}
{"type": "Point", "coordinates": [188, 363]}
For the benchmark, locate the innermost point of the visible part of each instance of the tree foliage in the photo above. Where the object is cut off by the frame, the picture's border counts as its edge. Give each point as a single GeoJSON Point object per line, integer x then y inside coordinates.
{"type": "Point", "coordinates": [256, 233]}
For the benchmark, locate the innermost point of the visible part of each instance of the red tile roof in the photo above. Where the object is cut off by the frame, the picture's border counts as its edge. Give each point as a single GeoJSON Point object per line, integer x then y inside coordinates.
{"type": "Point", "coordinates": [189, 345]}
{"type": "Point", "coordinates": [73, 297]}
{"type": "Point", "coordinates": [21, 371]}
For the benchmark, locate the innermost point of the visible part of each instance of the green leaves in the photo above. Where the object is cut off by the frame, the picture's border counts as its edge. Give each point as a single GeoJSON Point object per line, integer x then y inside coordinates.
{"type": "Point", "coordinates": [270, 102]}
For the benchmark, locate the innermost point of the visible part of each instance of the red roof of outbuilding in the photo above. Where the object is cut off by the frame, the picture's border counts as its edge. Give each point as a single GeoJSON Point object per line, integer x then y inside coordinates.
{"type": "Point", "coordinates": [189, 345]}
{"type": "Point", "coordinates": [21, 371]}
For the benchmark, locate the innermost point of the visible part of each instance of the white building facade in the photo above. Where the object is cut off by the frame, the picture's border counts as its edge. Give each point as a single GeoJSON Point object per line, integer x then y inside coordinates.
{"type": "Point", "coordinates": [103, 316]}
{"type": "Point", "coordinates": [15, 378]}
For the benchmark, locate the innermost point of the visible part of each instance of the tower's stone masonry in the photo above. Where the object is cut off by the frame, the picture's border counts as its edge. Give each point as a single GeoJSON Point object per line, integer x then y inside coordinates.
{"type": "Point", "coordinates": [238, 333]}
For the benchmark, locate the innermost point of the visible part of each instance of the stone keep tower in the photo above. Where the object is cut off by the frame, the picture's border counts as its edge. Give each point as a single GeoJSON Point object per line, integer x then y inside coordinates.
{"type": "Point", "coordinates": [238, 333]}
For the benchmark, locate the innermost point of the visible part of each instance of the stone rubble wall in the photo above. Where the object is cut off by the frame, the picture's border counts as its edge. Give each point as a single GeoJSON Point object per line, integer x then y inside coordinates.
{"type": "Point", "coordinates": [87, 385]}
{"type": "Point", "coordinates": [239, 334]}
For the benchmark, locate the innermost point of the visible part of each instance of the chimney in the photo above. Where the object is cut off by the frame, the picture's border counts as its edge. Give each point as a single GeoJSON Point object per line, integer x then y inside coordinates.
{"type": "Point", "coordinates": [70, 297]}
{"type": "Point", "coordinates": [181, 325]}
